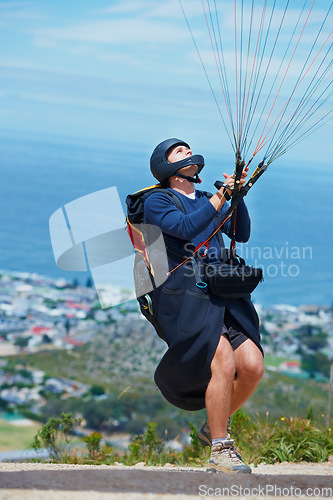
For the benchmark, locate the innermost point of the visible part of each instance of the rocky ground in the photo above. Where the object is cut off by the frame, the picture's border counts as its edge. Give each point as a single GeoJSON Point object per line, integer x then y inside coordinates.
{"type": "Point", "coordinates": [20, 481]}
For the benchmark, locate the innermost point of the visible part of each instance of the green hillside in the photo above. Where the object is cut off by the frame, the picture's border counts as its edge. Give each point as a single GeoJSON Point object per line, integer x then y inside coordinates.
{"type": "Point", "coordinates": [121, 361]}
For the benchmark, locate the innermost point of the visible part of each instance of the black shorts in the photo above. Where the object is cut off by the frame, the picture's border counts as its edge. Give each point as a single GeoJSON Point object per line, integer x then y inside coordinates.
{"type": "Point", "coordinates": [232, 329]}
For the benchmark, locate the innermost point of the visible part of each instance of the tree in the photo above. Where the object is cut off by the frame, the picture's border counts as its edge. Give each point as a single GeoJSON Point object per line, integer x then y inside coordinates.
{"type": "Point", "coordinates": [316, 362]}
{"type": "Point", "coordinates": [316, 342]}
{"type": "Point", "coordinates": [95, 414]}
{"type": "Point", "coordinates": [75, 283]}
{"type": "Point", "coordinates": [97, 390]}
{"type": "Point", "coordinates": [22, 342]}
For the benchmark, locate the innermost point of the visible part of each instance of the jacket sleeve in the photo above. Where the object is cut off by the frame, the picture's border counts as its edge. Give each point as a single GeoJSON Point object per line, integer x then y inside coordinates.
{"type": "Point", "coordinates": [161, 211]}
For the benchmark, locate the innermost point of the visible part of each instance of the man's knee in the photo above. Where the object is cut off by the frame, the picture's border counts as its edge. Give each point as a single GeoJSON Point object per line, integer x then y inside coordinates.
{"type": "Point", "coordinates": [252, 368]}
{"type": "Point", "coordinates": [223, 363]}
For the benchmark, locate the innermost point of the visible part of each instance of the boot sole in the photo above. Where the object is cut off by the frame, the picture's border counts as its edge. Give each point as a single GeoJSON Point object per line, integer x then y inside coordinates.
{"type": "Point", "coordinates": [216, 470]}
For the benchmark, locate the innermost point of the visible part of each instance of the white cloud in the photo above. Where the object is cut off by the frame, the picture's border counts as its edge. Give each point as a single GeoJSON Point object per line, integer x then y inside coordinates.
{"type": "Point", "coordinates": [98, 93]}
{"type": "Point", "coordinates": [129, 7]}
{"type": "Point", "coordinates": [145, 34]}
{"type": "Point", "coordinates": [120, 31]}
{"type": "Point", "coordinates": [163, 9]}
{"type": "Point", "coordinates": [17, 63]}
{"type": "Point", "coordinates": [172, 10]}
{"type": "Point", "coordinates": [18, 11]}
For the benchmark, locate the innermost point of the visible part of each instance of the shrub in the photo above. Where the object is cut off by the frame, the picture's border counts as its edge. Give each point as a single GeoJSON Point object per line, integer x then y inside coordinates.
{"type": "Point", "coordinates": [147, 447]}
{"type": "Point", "coordinates": [196, 453]}
{"type": "Point", "coordinates": [150, 449]}
{"type": "Point", "coordinates": [56, 436]}
{"type": "Point", "coordinates": [93, 442]}
{"type": "Point", "coordinates": [98, 454]}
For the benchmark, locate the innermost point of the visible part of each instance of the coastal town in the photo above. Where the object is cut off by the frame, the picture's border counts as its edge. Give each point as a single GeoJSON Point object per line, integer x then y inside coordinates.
{"type": "Point", "coordinates": [39, 314]}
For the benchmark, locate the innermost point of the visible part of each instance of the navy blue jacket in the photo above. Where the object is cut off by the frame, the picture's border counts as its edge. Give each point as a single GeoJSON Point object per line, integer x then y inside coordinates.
{"type": "Point", "coordinates": [189, 319]}
{"type": "Point", "coordinates": [198, 221]}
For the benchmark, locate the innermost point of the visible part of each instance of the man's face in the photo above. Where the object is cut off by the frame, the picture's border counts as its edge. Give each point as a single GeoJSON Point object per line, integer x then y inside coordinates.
{"type": "Point", "coordinates": [179, 153]}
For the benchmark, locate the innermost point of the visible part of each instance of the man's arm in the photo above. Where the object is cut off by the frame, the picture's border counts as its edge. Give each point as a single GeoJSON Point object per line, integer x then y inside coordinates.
{"type": "Point", "coordinates": [161, 211]}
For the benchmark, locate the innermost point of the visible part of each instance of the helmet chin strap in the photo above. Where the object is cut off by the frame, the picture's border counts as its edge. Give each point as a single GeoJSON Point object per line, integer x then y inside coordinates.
{"type": "Point", "coordinates": [196, 179]}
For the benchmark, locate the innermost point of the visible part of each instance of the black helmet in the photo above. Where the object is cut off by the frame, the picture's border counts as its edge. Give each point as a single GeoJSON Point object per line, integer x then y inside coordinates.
{"type": "Point", "coordinates": [162, 169]}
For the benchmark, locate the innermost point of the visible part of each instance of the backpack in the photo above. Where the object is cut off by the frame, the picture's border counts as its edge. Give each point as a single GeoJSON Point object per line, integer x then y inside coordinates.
{"type": "Point", "coordinates": [149, 247]}
{"type": "Point", "coordinates": [136, 207]}
{"type": "Point", "coordinates": [142, 235]}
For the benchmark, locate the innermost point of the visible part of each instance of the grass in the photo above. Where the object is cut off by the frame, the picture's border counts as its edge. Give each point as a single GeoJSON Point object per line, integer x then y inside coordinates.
{"type": "Point", "coordinates": [286, 440]}
{"type": "Point", "coordinates": [282, 396]}
{"type": "Point", "coordinates": [14, 437]}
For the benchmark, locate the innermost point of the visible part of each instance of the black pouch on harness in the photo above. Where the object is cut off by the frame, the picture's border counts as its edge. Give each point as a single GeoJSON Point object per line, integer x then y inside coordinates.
{"type": "Point", "coordinates": [232, 280]}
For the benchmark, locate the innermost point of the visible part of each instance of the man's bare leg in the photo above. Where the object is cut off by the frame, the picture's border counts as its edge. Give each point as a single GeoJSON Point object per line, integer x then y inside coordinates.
{"type": "Point", "coordinates": [247, 362]}
{"type": "Point", "coordinates": [224, 457]}
{"type": "Point", "coordinates": [220, 387]}
{"type": "Point", "coordinates": [249, 368]}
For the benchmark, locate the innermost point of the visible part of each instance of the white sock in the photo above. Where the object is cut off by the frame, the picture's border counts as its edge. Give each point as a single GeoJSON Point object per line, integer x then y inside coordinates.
{"type": "Point", "coordinates": [218, 440]}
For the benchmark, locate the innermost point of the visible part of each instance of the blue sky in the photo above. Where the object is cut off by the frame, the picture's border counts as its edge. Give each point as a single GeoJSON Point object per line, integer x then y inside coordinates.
{"type": "Point", "coordinates": [126, 71]}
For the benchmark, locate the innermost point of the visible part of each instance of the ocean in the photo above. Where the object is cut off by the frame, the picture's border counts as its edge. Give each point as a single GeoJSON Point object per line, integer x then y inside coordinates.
{"type": "Point", "coordinates": [290, 208]}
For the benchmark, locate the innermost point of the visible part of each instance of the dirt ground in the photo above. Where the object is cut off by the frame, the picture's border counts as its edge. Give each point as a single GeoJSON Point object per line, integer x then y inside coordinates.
{"type": "Point", "coordinates": [23, 481]}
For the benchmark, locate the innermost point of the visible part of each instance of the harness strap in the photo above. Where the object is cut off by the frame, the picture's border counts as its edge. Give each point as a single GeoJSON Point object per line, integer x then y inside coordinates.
{"type": "Point", "coordinates": [261, 168]}
{"type": "Point", "coordinates": [196, 179]}
{"type": "Point", "coordinates": [239, 165]}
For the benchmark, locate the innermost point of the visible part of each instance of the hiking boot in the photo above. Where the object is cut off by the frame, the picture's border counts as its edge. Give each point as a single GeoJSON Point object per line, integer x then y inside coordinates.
{"type": "Point", "coordinates": [205, 436]}
{"type": "Point", "coordinates": [224, 458]}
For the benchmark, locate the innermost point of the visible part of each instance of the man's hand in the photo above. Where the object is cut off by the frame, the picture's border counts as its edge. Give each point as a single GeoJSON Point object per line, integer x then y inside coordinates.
{"type": "Point", "coordinates": [218, 199]}
{"type": "Point", "coordinates": [229, 179]}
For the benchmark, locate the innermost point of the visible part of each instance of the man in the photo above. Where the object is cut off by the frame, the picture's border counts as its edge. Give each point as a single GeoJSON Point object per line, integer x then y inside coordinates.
{"type": "Point", "coordinates": [214, 358]}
